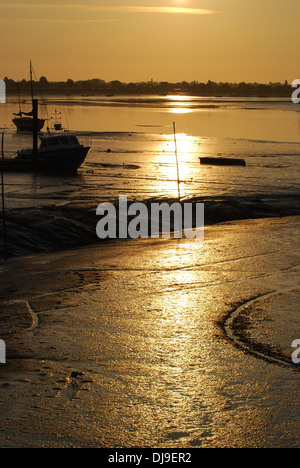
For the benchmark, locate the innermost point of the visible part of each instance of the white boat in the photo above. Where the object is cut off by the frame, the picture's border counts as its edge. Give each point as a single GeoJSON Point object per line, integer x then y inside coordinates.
{"type": "Point", "coordinates": [61, 153]}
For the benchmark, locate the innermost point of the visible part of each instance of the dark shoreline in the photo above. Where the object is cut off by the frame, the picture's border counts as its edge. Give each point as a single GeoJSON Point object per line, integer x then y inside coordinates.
{"type": "Point", "coordinates": [53, 229]}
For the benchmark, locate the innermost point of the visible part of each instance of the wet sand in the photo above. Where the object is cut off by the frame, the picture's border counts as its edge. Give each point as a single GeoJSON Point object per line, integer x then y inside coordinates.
{"type": "Point", "coordinates": [155, 343]}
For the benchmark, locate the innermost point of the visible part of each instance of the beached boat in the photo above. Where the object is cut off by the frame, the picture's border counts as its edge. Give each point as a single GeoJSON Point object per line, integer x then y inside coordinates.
{"type": "Point", "coordinates": [57, 153]}
{"type": "Point", "coordinates": [222, 161]}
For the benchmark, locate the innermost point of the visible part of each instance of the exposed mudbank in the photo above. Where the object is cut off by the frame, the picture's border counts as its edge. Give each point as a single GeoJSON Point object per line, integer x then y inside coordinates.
{"type": "Point", "coordinates": [54, 228]}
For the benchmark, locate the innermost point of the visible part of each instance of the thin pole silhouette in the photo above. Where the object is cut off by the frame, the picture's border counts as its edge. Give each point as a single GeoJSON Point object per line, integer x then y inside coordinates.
{"type": "Point", "coordinates": [3, 201]}
{"type": "Point", "coordinates": [178, 182]}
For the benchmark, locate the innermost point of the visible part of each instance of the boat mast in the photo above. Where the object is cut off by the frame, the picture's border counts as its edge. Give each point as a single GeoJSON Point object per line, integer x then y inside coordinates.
{"type": "Point", "coordinates": [19, 97]}
{"type": "Point", "coordinates": [35, 128]}
{"type": "Point", "coordinates": [35, 119]}
{"type": "Point", "coordinates": [3, 204]}
{"type": "Point", "coordinates": [31, 82]}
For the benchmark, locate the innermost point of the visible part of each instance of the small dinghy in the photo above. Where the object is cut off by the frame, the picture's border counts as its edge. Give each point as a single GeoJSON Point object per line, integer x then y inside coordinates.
{"type": "Point", "coordinates": [223, 161]}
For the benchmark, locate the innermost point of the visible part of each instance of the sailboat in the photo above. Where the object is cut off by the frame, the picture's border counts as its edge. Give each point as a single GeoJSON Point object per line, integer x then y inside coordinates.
{"type": "Point", "coordinates": [25, 124]}
{"type": "Point", "coordinates": [58, 153]}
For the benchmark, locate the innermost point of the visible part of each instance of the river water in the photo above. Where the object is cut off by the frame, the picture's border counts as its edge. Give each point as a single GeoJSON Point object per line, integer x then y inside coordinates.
{"type": "Point", "coordinates": [133, 148]}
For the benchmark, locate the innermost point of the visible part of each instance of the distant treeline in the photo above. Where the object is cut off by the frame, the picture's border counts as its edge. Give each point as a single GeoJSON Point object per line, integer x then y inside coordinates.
{"type": "Point", "coordinates": [100, 87]}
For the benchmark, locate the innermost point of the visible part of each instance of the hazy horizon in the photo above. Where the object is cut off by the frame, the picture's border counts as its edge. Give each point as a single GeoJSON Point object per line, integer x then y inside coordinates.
{"type": "Point", "coordinates": [136, 41]}
{"type": "Point", "coordinates": [38, 77]}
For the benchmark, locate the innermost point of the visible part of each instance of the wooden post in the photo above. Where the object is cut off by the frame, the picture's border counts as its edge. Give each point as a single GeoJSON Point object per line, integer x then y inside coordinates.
{"type": "Point", "coordinates": [35, 128]}
{"type": "Point", "coordinates": [3, 200]}
{"type": "Point", "coordinates": [178, 181]}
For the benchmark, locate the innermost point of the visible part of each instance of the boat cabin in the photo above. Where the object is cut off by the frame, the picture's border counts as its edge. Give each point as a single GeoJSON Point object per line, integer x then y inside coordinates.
{"type": "Point", "coordinates": [61, 140]}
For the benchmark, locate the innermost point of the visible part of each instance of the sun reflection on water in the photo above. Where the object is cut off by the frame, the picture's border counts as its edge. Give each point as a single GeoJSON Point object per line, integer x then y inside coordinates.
{"type": "Point", "coordinates": [165, 163]}
{"type": "Point", "coordinates": [180, 110]}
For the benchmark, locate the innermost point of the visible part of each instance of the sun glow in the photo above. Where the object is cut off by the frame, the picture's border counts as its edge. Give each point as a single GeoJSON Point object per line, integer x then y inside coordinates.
{"type": "Point", "coordinates": [165, 164]}
{"type": "Point", "coordinates": [180, 110]}
{"type": "Point", "coordinates": [153, 9]}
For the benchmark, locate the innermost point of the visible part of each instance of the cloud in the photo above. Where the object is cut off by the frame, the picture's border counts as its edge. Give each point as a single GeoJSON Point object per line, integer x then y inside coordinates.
{"type": "Point", "coordinates": [111, 8]}
{"type": "Point", "coordinates": [157, 9]}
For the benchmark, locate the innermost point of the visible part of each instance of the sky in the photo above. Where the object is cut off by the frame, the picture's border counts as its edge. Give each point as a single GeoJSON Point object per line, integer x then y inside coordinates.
{"type": "Point", "coordinates": [140, 40]}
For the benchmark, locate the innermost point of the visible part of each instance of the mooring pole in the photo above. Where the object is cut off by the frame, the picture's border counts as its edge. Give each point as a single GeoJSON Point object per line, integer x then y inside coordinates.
{"type": "Point", "coordinates": [178, 181]}
{"type": "Point", "coordinates": [35, 129]}
{"type": "Point", "coordinates": [3, 200]}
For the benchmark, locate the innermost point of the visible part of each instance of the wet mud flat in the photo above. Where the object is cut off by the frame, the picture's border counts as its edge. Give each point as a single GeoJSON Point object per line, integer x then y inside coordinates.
{"type": "Point", "coordinates": [155, 343]}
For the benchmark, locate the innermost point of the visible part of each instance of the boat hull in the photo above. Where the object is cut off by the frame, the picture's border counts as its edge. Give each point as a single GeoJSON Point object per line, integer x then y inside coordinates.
{"type": "Point", "coordinates": [223, 161]}
{"type": "Point", "coordinates": [25, 124]}
{"type": "Point", "coordinates": [62, 162]}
